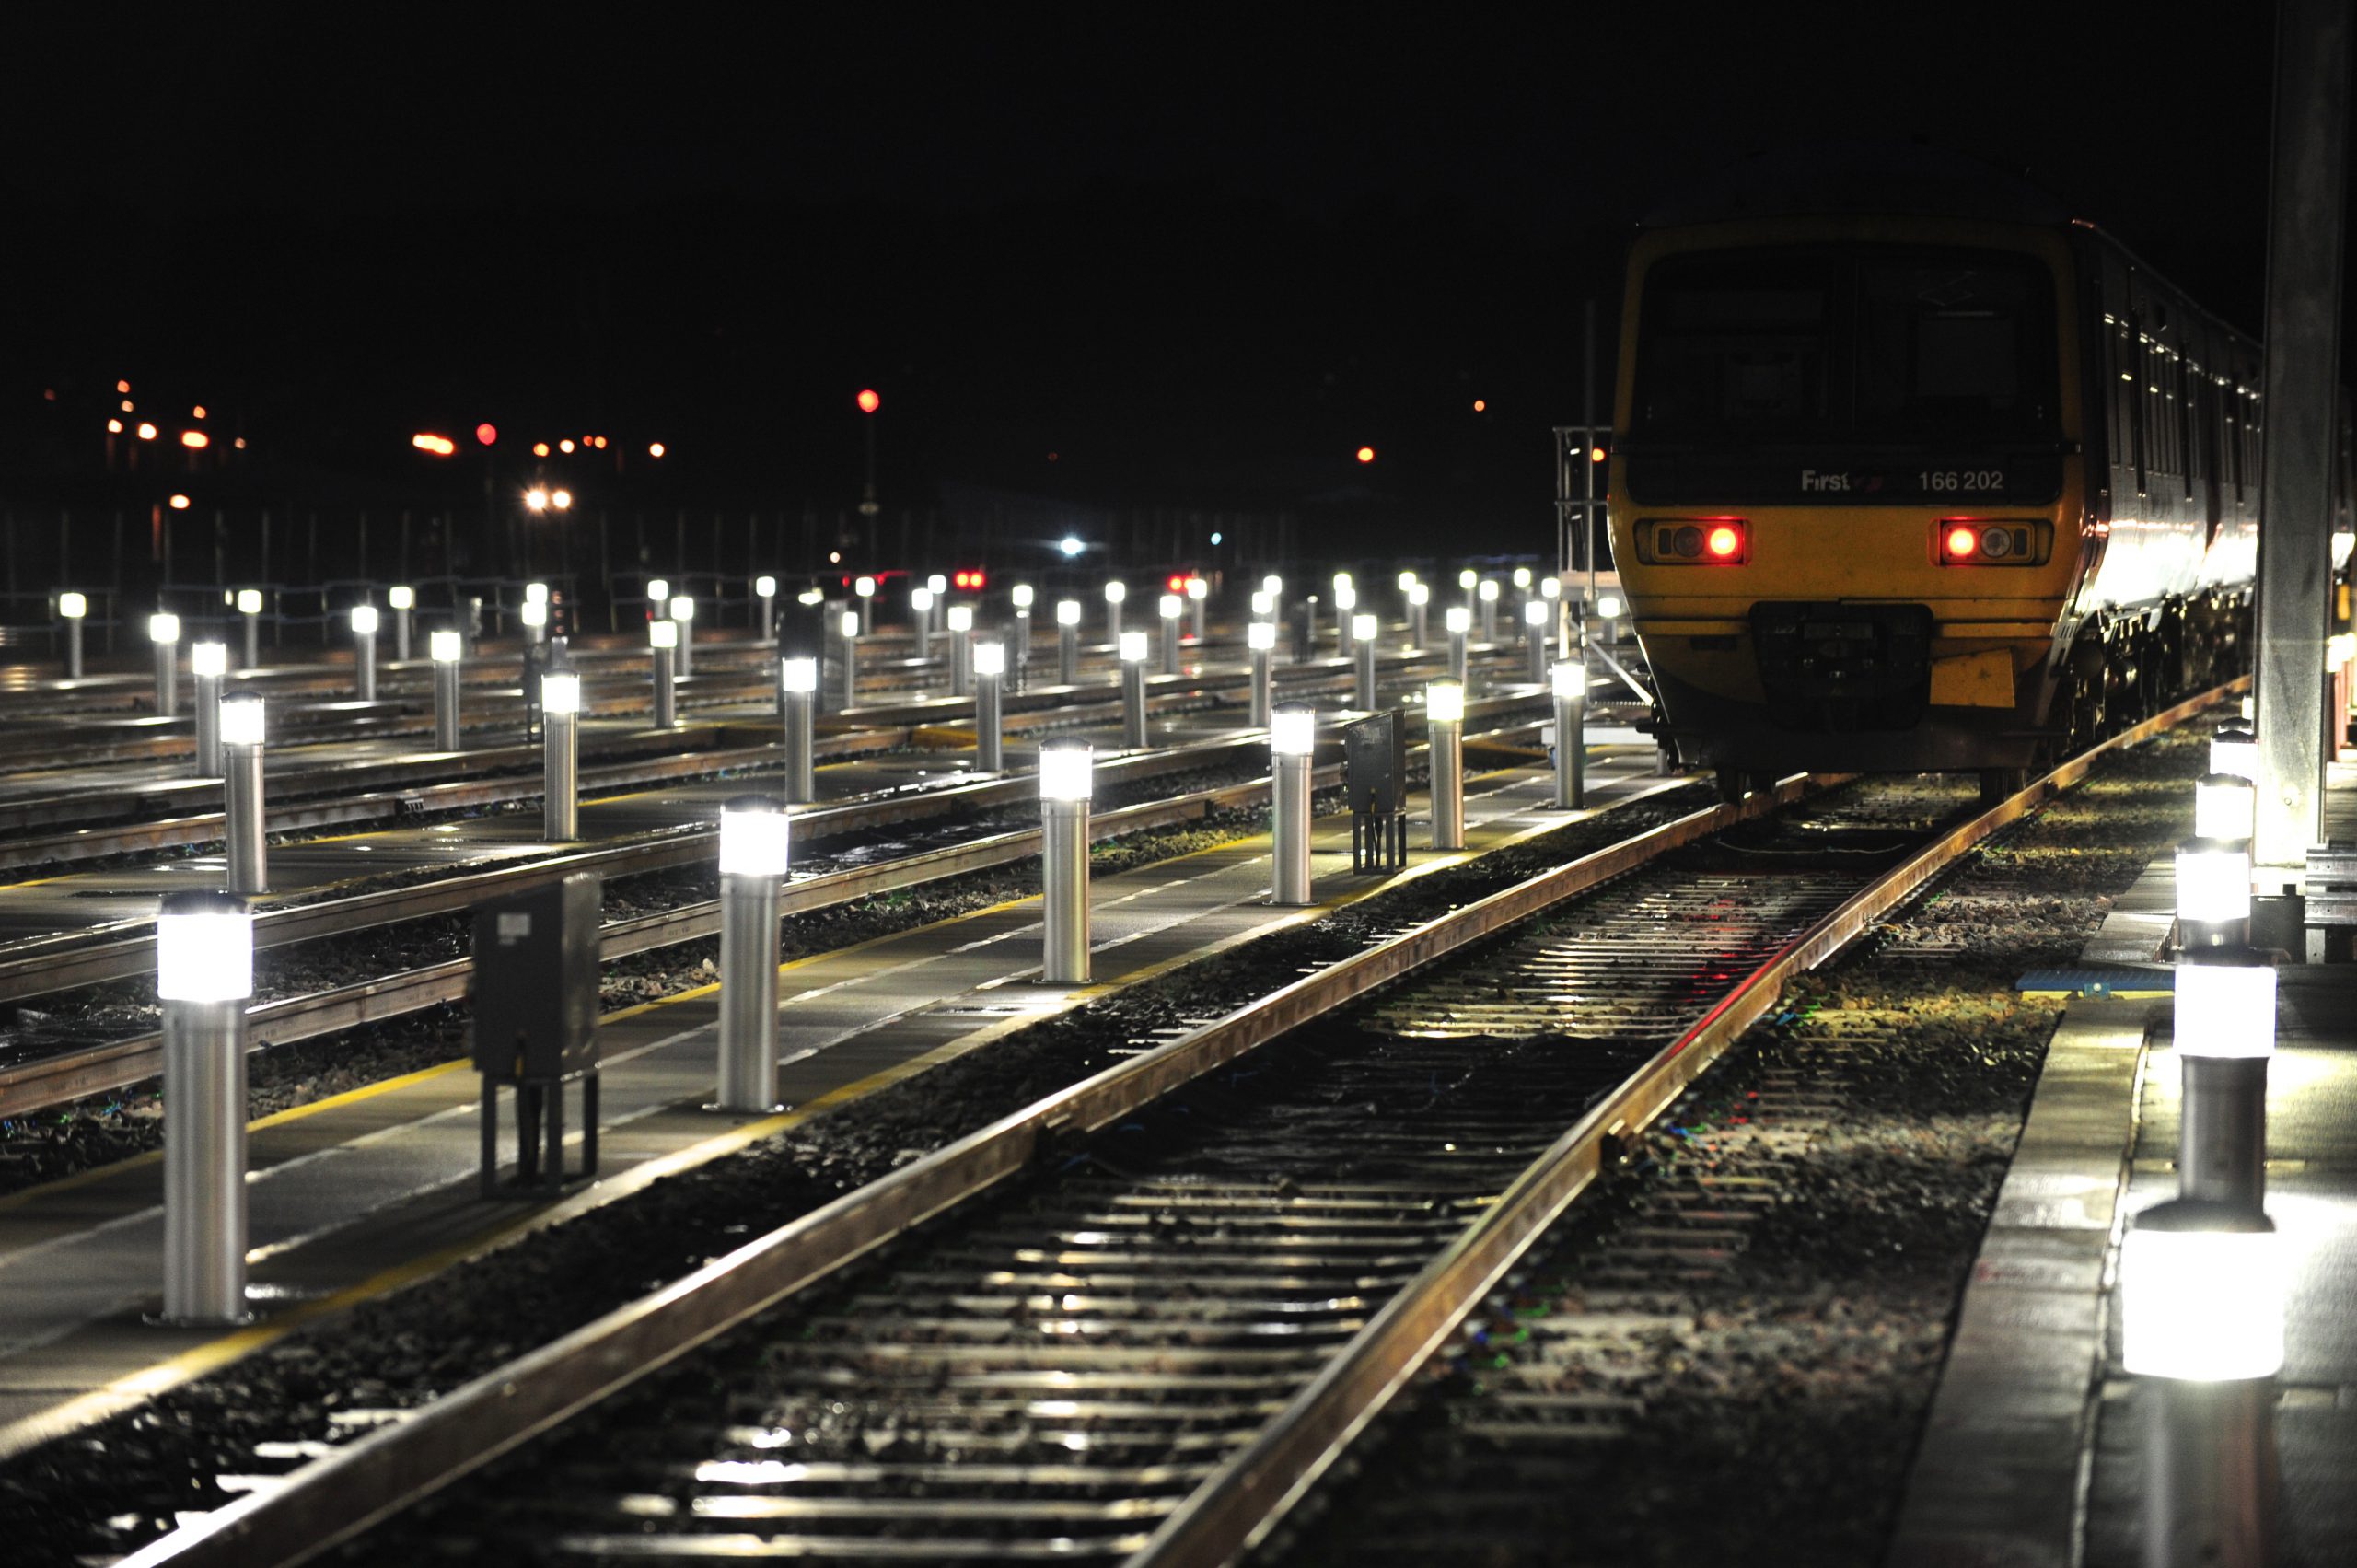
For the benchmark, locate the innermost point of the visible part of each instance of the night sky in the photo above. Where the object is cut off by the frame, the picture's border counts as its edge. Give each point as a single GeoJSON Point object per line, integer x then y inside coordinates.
{"type": "Point", "coordinates": [1198, 255]}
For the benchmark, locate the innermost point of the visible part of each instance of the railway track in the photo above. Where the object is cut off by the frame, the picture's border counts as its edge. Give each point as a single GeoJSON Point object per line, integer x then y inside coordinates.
{"type": "Point", "coordinates": [1138, 1318]}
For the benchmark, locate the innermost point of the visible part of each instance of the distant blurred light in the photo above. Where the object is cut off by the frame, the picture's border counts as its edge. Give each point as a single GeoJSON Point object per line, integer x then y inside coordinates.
{"type": "Point", "coordinates": [1596, 454]}
{"type": "Point", "coordinates": [114, 427]}
{"type": "Point", "coordinates": [179, 502]}
{"type": "Point", "coordinates": [1071, 545]}
{"type": "Point", "coordinates": [196, 439]}
{"type": "Point", "coordinates": [127, 405]}
{"type": "Point", "coordinates": [1480, 405]}
{"type": "Point", "coordinates": [564, 445]}
{"type": "Point", "coordinates": [486, 432]}
{"type": "Point", "coordinates": [240, 443]}
{"type": "Point", "coordinates": [600, 443]}
{"type": "Point", "coordinates": [538, 500]}
{"type": "Point", "coordinates": [540, 448]}
{"type": "Point", "coordinates": [655, 448]}
{"type": "Point", "coordinates": [835, 558]}
{"type": "Point", "coordinates": [1367, 454]}
{"type": "Point", "coordinates": [122, 386]}
{"type": "Point", "coordinates": [199, 410]}
{"type": "Point", "coordinates": [146, 433]}
{"type": "Point", "coordinates": [561, 499]}
{"type": "Point", "coordinates": [868, 402]}
{"type": "Point", "coordinates": [440, 446]}
{"type": "Point", "coordinates": [1216, 538]}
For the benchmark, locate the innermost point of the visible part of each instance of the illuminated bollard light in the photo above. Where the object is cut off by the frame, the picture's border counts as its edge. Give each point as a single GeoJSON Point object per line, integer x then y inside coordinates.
{"type": "Point", "coordinates": [1199, 593]}
{"type": "Point", "coordinates": [1023, 595]}
{"type": "Point", "coordinates": [1115, 594]}
{"type": "Point", "coordinates": [960, 620]}
{"type": "Point", "coordinates": [1469, 580]}
{"type": "Point", "coordinates": [2201, 1294]}
{"type": "Point", "coordinates": [1261, 638]}
{"type": "Point", "coordinates": [1172, 606]}
{"type": "Point", "coordinates": [1264, 605]}
{"type": "Point", "coordinates": [205, 975]}
{"type": "Point", "coordinates": [765, 589]}
{"type": "Point", "coordinates": [1570, 685]}
{"type": "Point", "coordinates": [2234, 749]}
{"type": "Point", "coordinates": [445, 647]}
{"type": "Point", "coordinates": [1273, 586]}
{"type": "Point", "coordinates": [1346, 604]}
{"type": "Point", "coordinates": [753, 847]}
{"type": "Point", "coordinates": [1293, 740]}
{"type": "Point", "coordinates": [1460, 625]}
{"type": "Point", "coordinates": [940, 586]}
{"type": "Point", "coordinates": [1522, 580]}
{"type": "Point", "coordinates": [1608, 609]}
{"type": "Point", "coordinates": [797, 679]}
{"type": "Point", "coordinates": [1363, 637]}
{"type": "Point", "coordinates": [403, 601]}
{"type": "Point", "coordinates": [663, 643]}
{"type": "Point", "coordinates": [865, 588]}
{"type": "Point", "coordinates": [560, 756]}
{"type": "Point", "coordinates": [990, 672]}
{"type": "Point", "coordinates": [1066, 781]}
{"type": "Point", "coordinates": [536, 613]}
{"type": "Point", "coordinates": [1487, 593]}
{"type": "Point", "coordinates": [249, 607]}
{"type": "Point", "coordinates": [683, 612]}
{"type": "Point", "coordinates": [1067, 641]}
{"type": "Point", "coordinates": [2225, 1026]}
{"type": "Point", "coordinates": [1420, 599]}
{"type": "Point", "coordinates": [920, 619]}
{"type": "Point", "coordinates": [1133, 652]}
{"type": "Point", "coordinates": [72, 609]}
{"type": "Point", "coordinates": [2212, 893]}
{"type": "Point", "coordinates": [164, 631]}
{"type": "Point", "coordinates": [1445, 727]}
{"type": "Point", "coordinates": [2226, 806]}
{"type": "Point", "coordinates": [364, 651]}
{"type": "Point", "coordinates": [241, 796]}
{"type": "Point", "coordinates": [1535, 614]}
{"type": "Point", "coordinates": [208, 662]}
{"type": "Point", "coordinates": [848, 641]}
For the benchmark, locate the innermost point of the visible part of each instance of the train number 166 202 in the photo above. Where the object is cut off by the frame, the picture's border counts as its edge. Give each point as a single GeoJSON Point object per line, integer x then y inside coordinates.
{"type": "Point", "coordinates": [1962, 478]}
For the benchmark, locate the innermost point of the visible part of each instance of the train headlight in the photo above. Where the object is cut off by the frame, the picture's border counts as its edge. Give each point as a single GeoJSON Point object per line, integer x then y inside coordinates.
{"type": "Point", "coordinates": [1964, 541]}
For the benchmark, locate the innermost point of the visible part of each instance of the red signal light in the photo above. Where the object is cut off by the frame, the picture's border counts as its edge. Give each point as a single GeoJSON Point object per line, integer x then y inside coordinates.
{"type": "Point", "coordinates": [1724, 541]}
{"type": "Point", "coordinates": [486, 432]}
{"type": "Point", "coordinates": [1961, 541]}
{"type": "Point", "coordinates": [869, 400]}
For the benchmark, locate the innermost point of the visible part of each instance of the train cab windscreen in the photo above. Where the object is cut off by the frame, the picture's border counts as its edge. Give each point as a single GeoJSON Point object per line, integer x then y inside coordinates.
{"type": "Point", "coordinates": [1854, 347]}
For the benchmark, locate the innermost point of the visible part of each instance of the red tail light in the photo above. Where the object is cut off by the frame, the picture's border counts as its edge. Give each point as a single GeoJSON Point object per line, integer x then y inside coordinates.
{"type": "Point", "coordinates": [1724, 541]}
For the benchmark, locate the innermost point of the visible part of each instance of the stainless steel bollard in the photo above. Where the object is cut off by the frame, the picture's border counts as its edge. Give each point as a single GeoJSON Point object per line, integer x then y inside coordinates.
{"type": "Point", "coordinates": [1293, 742]}
{"type": "Point", "coordinates": [1346, 603]}
{"type": "Point", "coordinates": [446, 646]}
{"type": "Point", "coordinates": [364, 651]}
{"type": "Point", "coordinates": [1460, 624]}
{"type": "Point", "coordinates": [1263, 637]}
{"type": "Point", "coordinates": [208, 663]}
{"type": "Point", "coordinates": [921, 620]}
{"type": "Point", "coordinates": [1172, 607]}
{"type": "Point", "coordinates": [865, 588]}
{"type": "Point", "coordinates": [1571, 735]}
{"type": "Point", "coordinates": [204, 977]}
{"type": "Point", "coordinates": [1416, 618]}
{"type": "Point", "coordinates": [1536, 613]}
{"type": "Point", "coordinates": [1489, 602]}
{"type": "Point", "coordinates": [2223, 1000]}
{"type": "Point", "coordinates": [753, 833]}
{"type": "Point", "coordinates": [961, 650]}
{"type": "Point", "coordinates": [241, 793]}
{"type": "Point", "coordinates": [798, 687]}
{"type": "Point", "coordinates": [1363, 630]}
{"type": "Point", "coordinates": [990, 667]}
{"type": "Point", "coordinates": [560, 756]}
{"type": "Point", "coordinates": [72, 608]}
{"type": "Point", "coordinates": [1115, 593]}
{"type": "Point", "coordinates": [1068, 643]}
{"type": "Point", "coordinates": [683, 612]}
{"type": "Point", "coordinates": [765, 589]}
{"type": "Point", "coordinates": [1021, 672]}
{"type": "Point", "coordinates": [249, 608]}
{"type": "Point", "coordinates": [1132, 648]}
{"type": "Point", "coordinates": [1197, 595]}
{"type": "Point", "coordinates": [164, 630]}
{"type": "Point", "coordinates": [666, 683]}
{"type": "Point", "coordinates": [1066, 783]}
{"type": "Point", "coordinates": [1444, 724]}
{"type": "Point", "coordinates": [403, 600]}
{"type": "Point", "coordinates": [849, 644]}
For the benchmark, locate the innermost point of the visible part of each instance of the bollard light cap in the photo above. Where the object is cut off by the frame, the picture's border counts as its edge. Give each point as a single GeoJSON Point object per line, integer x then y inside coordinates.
{"type": "Point", "coordinates": [765, 586]}
{"type": "Point", "coordinates": [241, 720]}
{"type": "Point", "coordinates": [1272, 585]}
{"type": "Point", "coordinates": [798, 674]}
{"type": "Point", "coordinates": [1489, 590]}
{"type": "Point", "coordinates": [1407, 581]}
{"type": "Point", "coordinates": [1067, 773]}
{"type": "Point", "coordinates": [1445, 701]}
{"type": "Point", "coordinates": [2223, 1003]}
{"type": "Point", "coordinates": [1263, 603]}
{"type": "Point", "coordinates": [2201, 1294]}
{"type": "Point", "coordinates": [753, 837]}
{"type": "Point", "coordinates": [1260, 637]}
{"type": "Point", "coordinates": [682, 607]}
{"type": "Point", "coordinates": [164, 627]}
{"type": "Point", "coordinates": [811, 595]}
{"type": "Point", "coordinates": [1535, 613]}
{"type": "Point", "coordinates": [364, 619]}
{"type": "Point", "coordinates": [534, 613]}
{"type": "Point", "coordinates": [73, 605]}
{"type": "Point", "coordinates": [658, 590]}
{"type": "Point", "coordinates": [204, 948]}
{"type": "Point", "coordinates": [990, 659]}
{"type": "Point", "coordinates": [1459, 618]}
{"type": "Point", "coordinates": [208, 658]}
{"type": "Point", "coordinates": [662, 633]}
{"type": "Point", "coordinates": [1133, 647]}
{"type": "Point", "coordinates": [2234, 749]}
{"type": "Point", "coordinates": [1364, 627]}
{"type": "Point", "coordinates": [249, 601]}
{"type": "Point", "coordinates": [402, 598]}
{"type": "Point", "coordinates": [1292, 732]}
{"type": "Point", "coordinates": [1023, 594]}
{"type": "Point", "coordinates": [958, 617]}
{"type": "Point", "coordinates": [849, 626]}
{"type": "Point", "coordinates": [1468, 577]}
{"type": "Point", "coordinates": [864, 587]}
{"type": "Point", "coordinates": [1550, 588]}
{"type": "Point", "coordinates": [2225, 807]}
{"type": "Point", "coordinates": [2213, 880]}
{"type": "Point", "coordinates": [1420, 593]}
{"type": "Point", "coordinates": [445, 645]}
{"type": "Point", "coordinates": [561, 692]}
{"type": "Point", "coordinates": [1569, 678]}
{"type": "Point", "coordinates": [536, 593]}
{"type": "Point", "coordinates": [920, 599]}
{"type": "Point", "coordinates": [937, 583]}
{"type": "Point", "coordinates": [1346, 598]}
{"type": "Point", "coordinates": [1115, 592]}
{"type": "Point", "coordinates": [1197, 589]}
{"type": "Point", "coordinates": [1609, 607]}
{"type": "Point", "coordinates": [1522, 576]}
{"type": "Point", "coordinates": [1171, 605]}
{"type": "Point", "coordinates": [1067, 612]}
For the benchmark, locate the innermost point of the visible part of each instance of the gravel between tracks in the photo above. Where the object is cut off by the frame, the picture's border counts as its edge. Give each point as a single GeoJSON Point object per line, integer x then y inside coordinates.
{"type": "Point", "coordinates": [1778, 1362]}
{"type": "Point", "coordinates": [118, 1484]}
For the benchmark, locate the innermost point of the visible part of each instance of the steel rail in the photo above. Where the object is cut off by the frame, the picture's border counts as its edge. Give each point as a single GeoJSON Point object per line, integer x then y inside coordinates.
{"type": "Point", "coordinates": [1235, 1507]}
{"type": "Point", "coordinates": [347, 1491]}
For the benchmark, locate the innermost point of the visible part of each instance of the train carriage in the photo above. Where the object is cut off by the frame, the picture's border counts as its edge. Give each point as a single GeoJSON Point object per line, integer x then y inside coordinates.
{"type": "Point", "coordinates": [1913, 471]}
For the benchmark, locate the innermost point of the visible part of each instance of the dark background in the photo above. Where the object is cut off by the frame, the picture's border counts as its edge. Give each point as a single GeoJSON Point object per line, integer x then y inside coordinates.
{"type": "Point", "coordinates": [1173, 257]}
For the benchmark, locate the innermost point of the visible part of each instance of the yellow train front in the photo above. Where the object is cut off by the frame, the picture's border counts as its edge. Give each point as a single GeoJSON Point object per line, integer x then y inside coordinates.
{"type": "Point", "coordinates": [1903, 490]}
